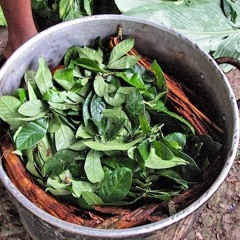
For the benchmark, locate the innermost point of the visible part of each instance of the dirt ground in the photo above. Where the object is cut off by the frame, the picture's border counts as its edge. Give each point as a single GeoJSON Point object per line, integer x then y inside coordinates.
{"type": "Point", "coordinates": [219, 219]}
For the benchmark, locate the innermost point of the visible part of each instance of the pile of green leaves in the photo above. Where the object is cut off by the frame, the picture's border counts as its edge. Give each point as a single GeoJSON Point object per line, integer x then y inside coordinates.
{"type": "Point", "coordinates": [98, 130]}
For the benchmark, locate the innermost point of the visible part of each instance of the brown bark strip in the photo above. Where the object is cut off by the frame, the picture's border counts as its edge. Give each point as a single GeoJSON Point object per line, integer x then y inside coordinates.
{"type": "Point", "coordinates": [137, 217]}
{"type": "Point", "coordinates": [22, 180]}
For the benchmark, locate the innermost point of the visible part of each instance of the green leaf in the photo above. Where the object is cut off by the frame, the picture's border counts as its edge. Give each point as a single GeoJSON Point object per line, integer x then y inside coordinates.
{"type": "Point", "coordinates": [116, 121]}
{"type": "Point", "coordinates": [97, 106]}
{"type": "Point", "coordinates": [119, 98]}
{"type": "Point", "coordinates": [43, 77]}
{"type": "Point", "coordinates": [78, 187]}
{"type": "Point", "coordinates": [86, 108]}
{"type": "Point", "coordinates": [9, 107]}
{"type": "Point", "coordinates": [31, 94]}
{"type": "Point", "coordinates": [3, 21]}
{"type": "Point", "coordinates": [101, 87]}
{"type": "Point", "coordinates": [32, 108]}
{"type": "Point", "coordinates": [133, 79]}
{"type": "Point", "coordinates": [156, 162]}
{"type": "Point", "coordinates": [194, 19]}
{"type": "Point", "coordinates": [134, 106]}
{"type": "Point", "coordinates": [176, 139]}
{"type": "Point", "coordinates": [145, 126]}
{"type": "Point", "coordinates": [89, 199]}
{"type": "Point", "coordinates": [124, 62]}
{"type": "Point", "coordinates": [90, 53]}
{"type": "Point", "coordinates": [116, 186]}
{"type": "Point", "coordinates": [64, 77]}
{"type": "Point", "coordinates": [93, 167]}
{"type": "Point", "coordinates": [64, 137]}
{"type": "Point", "coordinates": [90, 65]}
{"type": "Point", "coordinates": [120, 50]}
{"type": "Point", "coordinates": [110, 146]}
{"type": "Point", "coordinates": [228, 8]}
{"type": "Point", "coordinates": [160, 79]}
{"type": "Point", "coordinates": [31, 134]}
{"type": "Point", "coordinates": [59, 162]}
{"type": "Point", "coordinates": [54, 123]}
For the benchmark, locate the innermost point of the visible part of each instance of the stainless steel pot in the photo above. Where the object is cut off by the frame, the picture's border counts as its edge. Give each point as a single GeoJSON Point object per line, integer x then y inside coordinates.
{"type": "Point", "coordinates": [180, 57]}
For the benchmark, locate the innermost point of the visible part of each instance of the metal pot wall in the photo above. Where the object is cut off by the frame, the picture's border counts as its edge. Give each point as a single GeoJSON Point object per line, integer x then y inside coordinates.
{"type": "Point", "coordinates": [178, 56]}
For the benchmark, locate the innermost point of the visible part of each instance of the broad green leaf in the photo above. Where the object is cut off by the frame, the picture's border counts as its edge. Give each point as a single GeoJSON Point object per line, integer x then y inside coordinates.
{"type": "Point", "coordinates": [178, 117]}
{"type": "Point", "coordinates": [60, 162]}
{"type": "Point", "coordinates": [124, 62]}
{"type": "Point", "coordinates": [145, 126]}
{"type": "Point", "coordinates": [86, 108]}
{"type": "Point", "coordinates": [119, 98]}
{"type": "Point", "coordinates": [133, 79]}
{"type": "Point", "coordinates": [116, 186]}
{"type": "Point", "coordinates": [90, 65]}
{"type": "Point", "coordinates": [45, 148]}
{"type": "Point", "coordinates": [9, 107]}
{"type": "Point", "coordinates": [90, 53]}
{"type": "Point", "coordinates": [31, 94]}
{"type": "Point", "coordinates": [88, 6]}
{"type": "Point", "coordinates": [133, 107]}
{"type": "Point", "coordinates": [195, 19]}
{"type": "Point", "coordinates": [120, 50]}
{"type": "Point", "coordinates": [93, 167]}
{"type": "Point", "coordinates": [162, 150]}
{"type": "Point", "coordinates": [176, 139]}
{"type": "Point", "coordinates": [57, 188]}
{"type": "Point", "coordinates": [89, 199]}
{"type": "Point", "coordinates": [64, 77]}
{"type": "Point", "coordinates": [31, 134]}
{"type": "Point", "coordinates": [228, 47]}
{"type": "Point", "coordinates": [64, 137]}
{"type": "Point", "coordinates": [81, 186]}
{"type": "Point", "coordinates": [43, 77]}
{"type": "Point", "coordinates": [160, 79]}
{"type": "Point", "coordinates": [110, 146]}
{"type": "Point", "coordinates": [82, 132]}
{"type": "Point", "coordinates": [114, 126]}
{"type": "Point", "coordinates": [3, 21]}
{"type": "Point", "coordinates": [22, 94]}
{"type": "Point", "coordinates": [32, 108]}
{"type": "Point", "coordinates": [78, 146]}
{"type": "Point", "coordinates": [155, 162]}
{"type": "Point", "coordinates": [101, 87]}
{"type": "Point", "coordinates": [170, 173]}
{"type": "Point", "coordinates": [97, 105]}
{"type": "Point", "coordinates": [31, 166]}
{"type": "Point", "coordinates": [54, 123]}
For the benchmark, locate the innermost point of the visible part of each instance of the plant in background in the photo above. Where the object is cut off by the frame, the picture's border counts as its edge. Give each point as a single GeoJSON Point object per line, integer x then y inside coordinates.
{"type": "Point", "coordinates": [53, 11]}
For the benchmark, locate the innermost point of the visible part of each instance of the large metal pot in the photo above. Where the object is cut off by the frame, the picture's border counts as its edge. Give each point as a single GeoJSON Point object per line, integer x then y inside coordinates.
{"type": "Point", "coordinates": [178, 56]}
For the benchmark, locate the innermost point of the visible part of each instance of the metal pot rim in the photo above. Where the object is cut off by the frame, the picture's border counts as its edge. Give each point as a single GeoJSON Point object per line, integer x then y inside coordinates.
{"type": "Point", "coordinates": [140, 229]}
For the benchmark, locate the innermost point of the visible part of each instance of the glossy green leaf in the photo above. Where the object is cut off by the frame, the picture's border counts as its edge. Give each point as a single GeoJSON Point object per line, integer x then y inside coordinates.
{"type": "Point", "coordinates": [60, 162]}
{"type": "Point", "coordinates": [64, 137]}
{"type": "Point", "coordinates": [31, 134]}
{"type": "Point", "coordinates": [32, 108]}
{"type": "Point", "coordinates": [157, 162]}
{"type": "Point", "coordinates": [110, 146]}
{"type": "Point", "coordinates": [43, 77]}
{"type": "Point", "coordinates": [89, 199]}
{"type": "Point", "coordinates": [115, 186]}
{"type": "Point", "coordinates": [93, 167]}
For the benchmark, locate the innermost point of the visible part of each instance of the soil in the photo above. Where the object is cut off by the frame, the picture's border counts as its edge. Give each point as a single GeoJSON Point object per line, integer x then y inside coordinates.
{"type": "Point", "coordinates": [219, 219]}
